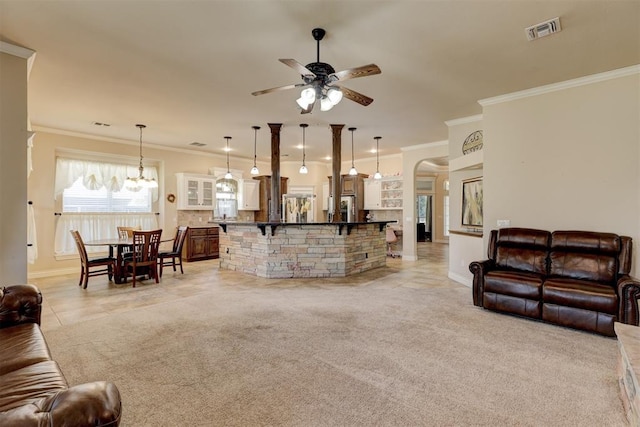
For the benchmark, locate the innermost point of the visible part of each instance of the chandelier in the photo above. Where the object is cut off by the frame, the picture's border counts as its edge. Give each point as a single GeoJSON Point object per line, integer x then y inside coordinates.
{"type": "Point", "coordinates": [140, 182]}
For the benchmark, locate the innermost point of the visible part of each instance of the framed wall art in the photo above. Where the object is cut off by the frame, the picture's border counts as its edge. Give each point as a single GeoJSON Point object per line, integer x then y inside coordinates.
{"type": "Point", "coordinates": [472, 202]}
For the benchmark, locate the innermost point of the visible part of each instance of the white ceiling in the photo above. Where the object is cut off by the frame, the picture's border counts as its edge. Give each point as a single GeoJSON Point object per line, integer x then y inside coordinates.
{"type": "Point", "coordinates": [186, 69]}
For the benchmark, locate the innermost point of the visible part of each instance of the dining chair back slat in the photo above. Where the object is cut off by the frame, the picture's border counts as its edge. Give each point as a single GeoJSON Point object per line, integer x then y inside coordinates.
{"type": "Point", "coordinates": [91, 267]}
{"type": "Point", "coordinates": [174, 257]}
{"type": "Point", "coordinates": [144, 255]}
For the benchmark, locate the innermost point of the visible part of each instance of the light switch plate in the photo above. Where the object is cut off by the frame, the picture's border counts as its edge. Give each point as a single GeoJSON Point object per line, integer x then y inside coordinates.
{"type": "Point", "coordinates": [504, 223]}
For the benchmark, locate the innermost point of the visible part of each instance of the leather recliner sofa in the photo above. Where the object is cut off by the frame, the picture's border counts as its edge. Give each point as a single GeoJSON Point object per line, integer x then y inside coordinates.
{"type": "Point", "coordinates": [33, 390]}
{"type": "Point", "coordinates": [578, 279]}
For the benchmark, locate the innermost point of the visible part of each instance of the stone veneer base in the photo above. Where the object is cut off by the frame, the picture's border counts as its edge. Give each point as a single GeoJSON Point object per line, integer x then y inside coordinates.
{"type": "Point", "coordinates": [305, 250]}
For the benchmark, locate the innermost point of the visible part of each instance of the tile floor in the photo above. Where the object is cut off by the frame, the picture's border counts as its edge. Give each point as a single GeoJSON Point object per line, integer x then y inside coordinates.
{"type": "Point", "coordinates": [65, 302]}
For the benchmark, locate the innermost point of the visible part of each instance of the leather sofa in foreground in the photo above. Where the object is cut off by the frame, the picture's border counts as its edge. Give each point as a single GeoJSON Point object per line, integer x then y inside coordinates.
{"type": "Point", "coordinates": [578, 279]}
{"type": "Point", "coordinates": [33, 391]}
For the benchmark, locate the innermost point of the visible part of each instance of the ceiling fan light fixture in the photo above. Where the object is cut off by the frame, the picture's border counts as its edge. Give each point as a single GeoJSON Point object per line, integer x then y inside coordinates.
{"type": "Point", "coordinates": [307, 97]}
{"type": "Point", "coordinates": [326, 104]}
{"type": "Point", "coordinates": [334, 95]}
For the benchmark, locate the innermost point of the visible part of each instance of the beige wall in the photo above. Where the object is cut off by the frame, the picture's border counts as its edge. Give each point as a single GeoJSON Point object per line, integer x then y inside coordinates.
{"type": "Point", "coordinates": [13, 169]}
{"type": "Point", "coordinates": [463, 249]}
{"type": "Point", "coordinates": [566, 159]}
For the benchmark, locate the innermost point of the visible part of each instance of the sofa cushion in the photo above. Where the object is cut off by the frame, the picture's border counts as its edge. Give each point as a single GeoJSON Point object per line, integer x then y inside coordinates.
{"type": "Point", "coordinates": [514, 283]}
{"type": "Point", "coordinates": [29, 384]}
{"type": "Point", "coordinates": [22, 345]}
{"type": "Point", "coordinates": [584, 255]}
{"type": "Point", "coordinates": [522, 249]}
{"type": "Point", "coordinates": [580, 294]}
{"type": "Point", "coordinates": [579, 318]}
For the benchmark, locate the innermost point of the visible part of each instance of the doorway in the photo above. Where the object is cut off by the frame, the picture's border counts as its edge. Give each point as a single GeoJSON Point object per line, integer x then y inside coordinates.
{"type": "Point", "coordinates": [424, 214]}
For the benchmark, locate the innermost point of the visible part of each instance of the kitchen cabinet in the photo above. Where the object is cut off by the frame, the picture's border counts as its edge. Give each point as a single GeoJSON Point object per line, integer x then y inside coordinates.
{"type": "Point", "coordinates": [372, 194]}
{"type": "Point", "coordinates": [385, 193]}
{"type": "Point", "coordinates": [201, 243]}
{"type": "Point", "coordinates": [262, 215]}
{"type": "Point", "coordinates": [249, 196]}
{"type": "Point", "coordinates": [353, 185]}
{"type": "Point", "coordinates": [196, 192]}
{"type": "Point", "coordinates": [391, 193]}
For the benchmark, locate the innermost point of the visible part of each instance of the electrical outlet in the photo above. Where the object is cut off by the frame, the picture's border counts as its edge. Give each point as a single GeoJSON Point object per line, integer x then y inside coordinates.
{"type": "Point", "coordinates": [504, 223]}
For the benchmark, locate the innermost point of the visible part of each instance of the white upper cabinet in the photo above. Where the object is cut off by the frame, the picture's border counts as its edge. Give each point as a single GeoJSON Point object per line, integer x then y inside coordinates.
{"type": "Point", "coordinates": [371, 194]}
{"type": "Point", "coordinates": [249, 196]}
{"type": "Point", "coordinates": [196, 192]}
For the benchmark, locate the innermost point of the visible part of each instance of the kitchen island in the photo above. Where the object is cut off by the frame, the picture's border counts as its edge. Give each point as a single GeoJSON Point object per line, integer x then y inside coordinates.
{"type": "Point", "coordinates": [292, 250]}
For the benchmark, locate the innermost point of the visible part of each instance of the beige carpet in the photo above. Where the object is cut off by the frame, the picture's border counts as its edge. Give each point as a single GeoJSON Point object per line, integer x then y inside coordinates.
{"type": "Point", "coordinates": [342, 356]}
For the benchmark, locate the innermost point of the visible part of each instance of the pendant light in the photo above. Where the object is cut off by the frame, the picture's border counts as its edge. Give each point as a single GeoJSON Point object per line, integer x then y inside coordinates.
{"type": "Point", "coordinates": [228, 174]}
{"type": "Point", "coordinates": [139, 182]}
{"type": "Point", "coordinates": [303, 168]}
{"type": "Point", "coordinates": [353, 170]}
{"type": "Point", "coordinates": [377, 175]}
{"type": "Point", "coordinates": [254, 169]}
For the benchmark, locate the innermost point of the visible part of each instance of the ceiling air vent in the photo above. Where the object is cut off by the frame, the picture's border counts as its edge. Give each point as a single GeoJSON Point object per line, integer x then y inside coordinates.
{"type": "Point", "coordinates": [197, 144]}
{"type": "Point", "coordinates": [543, 29]}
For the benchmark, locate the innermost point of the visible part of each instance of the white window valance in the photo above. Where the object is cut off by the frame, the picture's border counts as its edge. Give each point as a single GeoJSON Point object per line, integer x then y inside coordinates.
{"type": "Point", "coordinates": [96, 175]}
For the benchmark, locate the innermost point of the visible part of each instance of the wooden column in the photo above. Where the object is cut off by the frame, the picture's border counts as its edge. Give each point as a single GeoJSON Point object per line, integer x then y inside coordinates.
{"type": "Point", "coordinates": [276, 197]}
{"type": "Point", "coordinates": [336, 159]}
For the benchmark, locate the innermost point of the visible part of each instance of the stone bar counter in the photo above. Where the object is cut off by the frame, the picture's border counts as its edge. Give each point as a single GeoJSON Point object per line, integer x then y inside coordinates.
{"type": "Point", "coordinates": [292, 250]}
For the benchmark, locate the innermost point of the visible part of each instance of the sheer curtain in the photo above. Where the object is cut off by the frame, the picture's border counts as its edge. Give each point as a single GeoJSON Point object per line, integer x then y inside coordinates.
{"type": "Point", "coordinates": [96, 227]}
{"type": "Point", "coordinates": [96, 175]}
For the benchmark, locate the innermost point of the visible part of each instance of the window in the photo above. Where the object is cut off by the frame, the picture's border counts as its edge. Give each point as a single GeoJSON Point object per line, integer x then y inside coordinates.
{"type": "Point", "coordinates": [226, 198]}
{"type": "Point", "coordinates": [94, 202]}
{"type": "Point", "coordinates": [78, 198]}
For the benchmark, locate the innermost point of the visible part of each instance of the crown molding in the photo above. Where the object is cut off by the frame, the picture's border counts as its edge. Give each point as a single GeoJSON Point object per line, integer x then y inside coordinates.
{"type": "Point", "coordinates": [427, 145]}
{"type": "Point", "coordinates": [464, 120]}
{"type": "Point", "coordinates": [581, 81]}
{"type": "Point", "coordinates": [14, 50]}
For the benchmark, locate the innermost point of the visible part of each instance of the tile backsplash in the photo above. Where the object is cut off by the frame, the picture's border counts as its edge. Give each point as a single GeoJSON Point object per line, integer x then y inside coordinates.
{"type": "Point", "coordinates": [200, 218]}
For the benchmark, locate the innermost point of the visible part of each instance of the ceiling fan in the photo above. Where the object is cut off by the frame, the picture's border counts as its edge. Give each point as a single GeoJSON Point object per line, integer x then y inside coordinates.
{"type": "Point", "coordinates": [322, 83]}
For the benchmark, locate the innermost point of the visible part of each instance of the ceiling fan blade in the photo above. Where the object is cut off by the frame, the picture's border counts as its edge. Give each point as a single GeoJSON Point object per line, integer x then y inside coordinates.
{"type": "Point", "coordinates": [352, 73]}
{"type": "Point", "coordinates": [298, 67]}
{"type": "Point", "coordinates": [277, 89]}
{"type": "Point", "coordinates": [356, 96]}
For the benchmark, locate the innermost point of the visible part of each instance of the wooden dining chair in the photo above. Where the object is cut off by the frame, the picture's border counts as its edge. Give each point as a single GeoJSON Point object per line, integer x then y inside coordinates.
{"type": "Point", "coordinates": [144, 256]}
{"type": "Point", "coordinates": [174, 256]}
{"type": "Point", "coordinates": [91, 267]}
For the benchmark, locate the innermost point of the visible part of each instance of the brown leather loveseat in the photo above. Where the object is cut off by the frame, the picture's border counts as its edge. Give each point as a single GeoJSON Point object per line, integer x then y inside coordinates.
{"type": "Point", "coordinates": [33, 391]}
{"type": "Point", "coordinates": [578, 279]}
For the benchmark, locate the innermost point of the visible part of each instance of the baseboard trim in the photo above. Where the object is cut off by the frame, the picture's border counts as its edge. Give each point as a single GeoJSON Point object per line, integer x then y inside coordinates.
{"type": "Point", "coordinates": [51, 273]}
{"type": "Point", "coordinates": [461, 279]}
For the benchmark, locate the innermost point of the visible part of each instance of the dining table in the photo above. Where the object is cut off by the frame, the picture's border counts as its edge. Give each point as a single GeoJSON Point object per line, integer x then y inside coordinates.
{"type": "Point", "coordinates": [120, 244]}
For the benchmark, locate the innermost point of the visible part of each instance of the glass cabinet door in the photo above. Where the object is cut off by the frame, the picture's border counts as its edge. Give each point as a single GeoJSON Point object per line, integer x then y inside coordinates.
{"type": "Point", "coordinates": [207, 193]}
{"type": "Point", "coordinates": [192, 192]}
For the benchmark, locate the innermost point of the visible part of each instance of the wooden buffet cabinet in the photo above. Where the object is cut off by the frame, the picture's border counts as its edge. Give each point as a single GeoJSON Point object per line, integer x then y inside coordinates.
{"type": "Point", "coordinates": [262, 215]}
{"type": "Point", "coordinates": [201, 243]}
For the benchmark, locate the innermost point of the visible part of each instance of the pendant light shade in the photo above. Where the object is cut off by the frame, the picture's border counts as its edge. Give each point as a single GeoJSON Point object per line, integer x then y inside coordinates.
{"type": "Point", "coordinates": [140, 182]}
{"type": "Point", "coordinates": [377, 175]}
{"type": "Point", "coordinates": [254, 169]}
{"type": "Point", "coordinates": [228, 174]}
{"type": "Point", "coordinates": [303, 168]}
{"type": "Point", "coordinates": [353, 170]}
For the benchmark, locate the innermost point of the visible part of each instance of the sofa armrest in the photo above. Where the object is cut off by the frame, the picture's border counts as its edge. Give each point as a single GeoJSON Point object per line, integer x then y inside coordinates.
{"type": "Point", "coordinates": [20, 304]}
{"type": "Point", "coordinates": [628, 293]}
{"type": "Point", "coordinates": [85, 405]}
{"type": "Point", "coordinates": [479, 269]}
{"type": "Point", "coordinates": [90, 404]}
